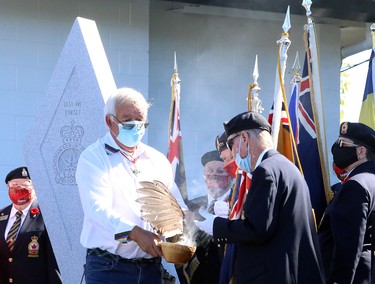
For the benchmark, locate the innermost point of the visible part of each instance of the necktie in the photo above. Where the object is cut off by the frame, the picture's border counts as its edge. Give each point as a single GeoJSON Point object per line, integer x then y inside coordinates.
{"type": "Point", "coordinates": [210, 208]}
{"type": "Point", "coordinates": [12, 235]}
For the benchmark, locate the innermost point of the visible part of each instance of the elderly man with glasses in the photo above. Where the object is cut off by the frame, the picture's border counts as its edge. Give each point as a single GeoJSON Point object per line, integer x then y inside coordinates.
{"type": "Point", "coordinates": [346, 232]}
{"type": "Point", "coordinates": [108, 173]}
{"type": "Point", "coordinates": [276, 235]}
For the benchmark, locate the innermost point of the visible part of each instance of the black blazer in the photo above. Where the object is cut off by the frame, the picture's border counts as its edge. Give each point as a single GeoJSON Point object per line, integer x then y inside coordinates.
{"type": "Point", "coordinates": [276, 237]}
{"type": "Point", "coordinates": [32, 259]}
{"type": "Point", "coordinates": [346, 228]}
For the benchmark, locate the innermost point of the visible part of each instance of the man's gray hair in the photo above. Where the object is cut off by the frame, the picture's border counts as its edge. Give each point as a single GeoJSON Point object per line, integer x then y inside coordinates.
{"type": "Point", "coordinates": [262, 136]}
{"type": "Point", "coordinates": [125, 95]}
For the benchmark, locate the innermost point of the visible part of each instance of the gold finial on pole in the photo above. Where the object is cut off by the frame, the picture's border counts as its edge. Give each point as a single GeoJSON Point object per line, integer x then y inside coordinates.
{"type": "Point", "coordinates": [175, 81]}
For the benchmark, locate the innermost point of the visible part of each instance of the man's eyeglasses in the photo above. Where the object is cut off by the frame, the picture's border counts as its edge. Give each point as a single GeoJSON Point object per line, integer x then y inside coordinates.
{"type": "Point", "coordinates": [129, 125]}
{"type": "Point", "coordinates": [26, 183]}
{"type": "Point", "coordinates": [343, 143]}
{"type": "Point", "coordinates": [230, 142]}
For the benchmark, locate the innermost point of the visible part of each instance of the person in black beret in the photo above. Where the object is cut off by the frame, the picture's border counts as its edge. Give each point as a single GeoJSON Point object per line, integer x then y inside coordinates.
{"type": "Point", "coordinates": [226, 154]}
{"type": "Point", "coordinates": [218, 185]}
{"type": "Point", "coordinates": [210, 156]}
{"type": "Point", "coordinates": [26, 254]}
{"type": "Point", "coordinates": [275, 235]}
{"type": "Point", "coordinates": [218, 181]}
{"type": "Point", "coordinates": [230, 251]}
{"type": "Point", "coordinates": [346, 230]}
{"type": "Point", "coordinates": [231, 168]}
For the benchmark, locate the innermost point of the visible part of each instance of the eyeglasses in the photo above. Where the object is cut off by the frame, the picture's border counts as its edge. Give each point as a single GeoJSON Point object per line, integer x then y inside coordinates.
{"type": "Point", "coordinates": [343, 143]}
{"type": "Point", "coordinates": [129, 125]}
{"type": "Point", "coordinates": [26, 183]}
{"type": "Point", "coordinates": [230, 142]}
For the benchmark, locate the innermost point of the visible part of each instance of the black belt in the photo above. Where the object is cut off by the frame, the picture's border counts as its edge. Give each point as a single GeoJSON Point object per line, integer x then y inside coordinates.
{"type": "Point", "coordinates": [107, 254]}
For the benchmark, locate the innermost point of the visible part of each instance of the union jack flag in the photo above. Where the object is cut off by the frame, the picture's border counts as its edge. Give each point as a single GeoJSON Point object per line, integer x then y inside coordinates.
{"type": "Point", "coordinates": [175, 152]}
{"type": "Point", "coordinates": [302, 120]}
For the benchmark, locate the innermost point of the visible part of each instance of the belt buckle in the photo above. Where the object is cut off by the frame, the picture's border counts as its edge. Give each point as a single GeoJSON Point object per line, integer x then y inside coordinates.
{"type": "Point", "coordinates": [137, 260]}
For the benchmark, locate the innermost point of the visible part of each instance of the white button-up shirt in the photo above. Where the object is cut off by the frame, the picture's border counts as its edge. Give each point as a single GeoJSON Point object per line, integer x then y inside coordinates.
{"type": "Point", "coordinates": [107, 183]}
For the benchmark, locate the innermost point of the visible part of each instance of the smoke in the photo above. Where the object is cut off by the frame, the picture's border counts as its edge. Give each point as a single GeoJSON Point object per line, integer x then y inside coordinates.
{"type": "Point", "coordinates": [187, 240]}
{"type": "Point", "coordinates": [190, 229]}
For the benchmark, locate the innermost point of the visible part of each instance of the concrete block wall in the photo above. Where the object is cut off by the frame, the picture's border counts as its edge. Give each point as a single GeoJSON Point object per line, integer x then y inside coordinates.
{"type": "Point", "coordinates": [32, 35]}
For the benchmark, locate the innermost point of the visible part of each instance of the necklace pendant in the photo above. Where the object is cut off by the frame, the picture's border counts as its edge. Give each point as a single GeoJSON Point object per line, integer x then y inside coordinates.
{"type": "Point", "coordinates": [135, 170]}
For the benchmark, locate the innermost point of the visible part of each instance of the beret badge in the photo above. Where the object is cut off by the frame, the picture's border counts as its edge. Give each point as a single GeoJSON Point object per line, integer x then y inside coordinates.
{"type": "Point", "coordinates": [344, 128]}
{"type": "Point", "coordinates": [217, 143]}
{"type": "Point", "coordinates": [24, 173]}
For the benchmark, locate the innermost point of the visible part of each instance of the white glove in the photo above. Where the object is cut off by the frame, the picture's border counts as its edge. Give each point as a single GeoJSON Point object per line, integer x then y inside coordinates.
{"type": "Point", "coordinates": [208, 224]}
{"type": "Point", "coordinates": [221, 209]}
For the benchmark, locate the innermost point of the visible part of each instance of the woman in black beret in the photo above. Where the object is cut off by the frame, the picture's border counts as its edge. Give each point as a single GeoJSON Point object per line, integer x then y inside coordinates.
{"type": "Point", "coordinates": [346, 227]}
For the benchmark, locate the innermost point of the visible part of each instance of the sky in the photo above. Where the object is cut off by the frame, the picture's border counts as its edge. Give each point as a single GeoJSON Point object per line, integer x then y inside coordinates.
{"type": "Point", "coordinates": [356, 79]}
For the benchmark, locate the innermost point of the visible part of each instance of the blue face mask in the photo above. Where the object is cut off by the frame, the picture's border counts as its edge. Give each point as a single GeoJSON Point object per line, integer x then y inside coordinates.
{"type": "Point", "coordinates": [243, 163]}
{"type": "Point", "coordinates": [130, 137]}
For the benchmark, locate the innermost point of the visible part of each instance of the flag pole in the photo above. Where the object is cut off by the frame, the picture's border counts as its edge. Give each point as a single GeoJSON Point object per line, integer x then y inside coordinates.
{"type": "Point", "coordinates": [175, 150]}
{"type": "Point", "coordinates": [316, 97]}
{"type": "Point", "coordinates": [280, 94]}
{"type": "Point", "coordinates": [283, 44]}
{"type": "Point", "coordinates": [296, 80]}
{"type": "Point", "coordinates": [174, 83]}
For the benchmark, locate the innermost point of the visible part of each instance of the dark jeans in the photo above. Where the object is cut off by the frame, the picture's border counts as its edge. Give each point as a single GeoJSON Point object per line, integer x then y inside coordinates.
{"type": "Point", "coordinates": [100, 270]}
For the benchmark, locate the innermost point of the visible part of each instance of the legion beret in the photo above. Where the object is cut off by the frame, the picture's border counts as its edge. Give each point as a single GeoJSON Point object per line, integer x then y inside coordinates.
{"type": "Point", "coordinates": [210, 156]}
{"type": "Point", "coordinates": [245, 121]}
{"type": "Point", "coordinates": [21, 172]}
{"type": "Point", "coordinates": [221, 142]}
{"type": "Point", "coordinates": [359, 133]}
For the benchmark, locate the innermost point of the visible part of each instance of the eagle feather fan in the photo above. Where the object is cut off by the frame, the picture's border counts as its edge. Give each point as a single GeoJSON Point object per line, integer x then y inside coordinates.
{"type": "Point", "coordinates": [160, 208]}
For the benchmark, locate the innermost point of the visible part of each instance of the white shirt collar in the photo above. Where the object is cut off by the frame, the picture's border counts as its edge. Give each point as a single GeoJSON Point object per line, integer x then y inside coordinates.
{"type": "Point", "coordinates": [210, 198]}
{"type": "Point", "coordinates": [13, 211]}
{"type": "Point", "coordinates": [261, 157]}
{"type": "Point", "coordinates": [108, 139]}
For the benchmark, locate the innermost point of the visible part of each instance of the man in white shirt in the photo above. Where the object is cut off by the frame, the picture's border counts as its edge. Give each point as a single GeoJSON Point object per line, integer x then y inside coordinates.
{"type": "Point", "coordinates": [108, 174]}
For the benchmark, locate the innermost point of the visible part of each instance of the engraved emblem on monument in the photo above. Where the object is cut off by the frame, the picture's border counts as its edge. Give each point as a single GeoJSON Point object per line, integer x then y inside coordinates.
{"type": "Point", "coordinates": [66, 157]}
